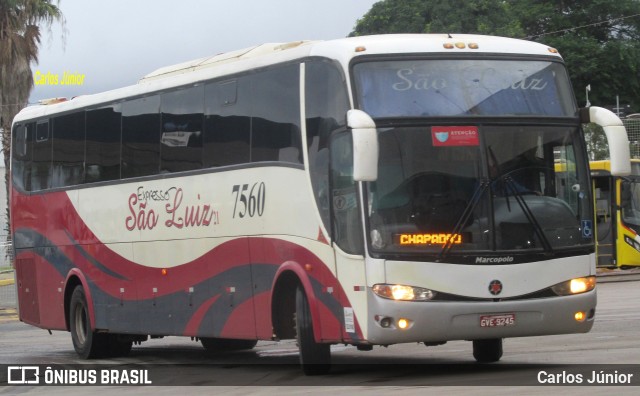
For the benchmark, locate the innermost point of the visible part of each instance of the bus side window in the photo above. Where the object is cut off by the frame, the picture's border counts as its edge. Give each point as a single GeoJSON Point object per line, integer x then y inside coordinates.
{"type": "Point", "coordinates": [41, 157]}
{"type": "Point", "coordinates": [21, 165]}
{"type": "Point", "coordinates": [68, 150]}
{"type": "Point", "coordinates": [103, 144]}
{"type": "Point", "coordinates": [275, 125]}
{"type": "Point", "coordinates": [227, 124]}
{"type": "Point", "coordinates": [181, 139]}
{"type": "Point", "coordinates": [326, 103]}
{"type": "Point", "coordinates": [141, 137]}
{"type": "Point", "coordinates": [347, 230]}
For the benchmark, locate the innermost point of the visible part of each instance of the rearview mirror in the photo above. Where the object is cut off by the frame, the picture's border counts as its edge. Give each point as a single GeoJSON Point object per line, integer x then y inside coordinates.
{"type": "Point", "coordinates": [616, 137]}
{"type": "Point", "coordinates": [365, 145]}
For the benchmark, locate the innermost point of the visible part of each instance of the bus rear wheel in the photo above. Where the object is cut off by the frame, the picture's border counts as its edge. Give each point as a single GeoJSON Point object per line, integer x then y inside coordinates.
{"type": "Point", "coordinates": [88, 344]}
{"type": "Point", "coordinates": [226, 344]}
{"type": "Point", "coordinates": [487, 351]}
{"type": "Point", "coordinates": [315, 358]}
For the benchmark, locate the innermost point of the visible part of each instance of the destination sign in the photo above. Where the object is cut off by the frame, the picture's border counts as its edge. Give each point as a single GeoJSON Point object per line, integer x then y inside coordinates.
{"type": "Point", "coordinates": [428, 239]}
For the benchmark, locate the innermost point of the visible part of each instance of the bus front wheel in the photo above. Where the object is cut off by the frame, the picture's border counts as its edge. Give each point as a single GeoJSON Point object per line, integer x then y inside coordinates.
{"type": "Point", "coordinates": [87, 343]}
{"type": "Point", "coordinates": [487, 351]}
{"type": "Point", "coordinates": [315, 358]}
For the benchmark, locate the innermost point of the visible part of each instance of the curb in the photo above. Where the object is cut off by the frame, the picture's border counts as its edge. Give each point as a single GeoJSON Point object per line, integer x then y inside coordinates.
{"type": "Point", "coordinates": [8, 312]}
{"type": "Point", "coordinates": [6, 282]}
{"type": "Point", "coordinates": [8, 315]}
{"type": "Point", "coordinates": [617, 275]}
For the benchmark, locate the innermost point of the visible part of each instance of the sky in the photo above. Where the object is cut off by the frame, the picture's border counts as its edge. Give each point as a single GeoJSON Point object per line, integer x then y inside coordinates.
{"type": "Point", "coordinates": [112, 44]}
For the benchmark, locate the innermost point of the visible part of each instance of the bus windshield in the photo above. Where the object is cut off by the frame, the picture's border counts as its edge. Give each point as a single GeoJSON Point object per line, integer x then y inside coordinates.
{"type": "Point", "coordinates": [479, 188]}
{"type": "Point", "coordinates": [463, 87]}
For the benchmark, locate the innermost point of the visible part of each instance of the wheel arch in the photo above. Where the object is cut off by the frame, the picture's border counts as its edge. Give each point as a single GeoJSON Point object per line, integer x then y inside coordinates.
{"type": "Point", "coordinates": [288, 278]}
{"type": "Point", "coordinates": [74, 279]}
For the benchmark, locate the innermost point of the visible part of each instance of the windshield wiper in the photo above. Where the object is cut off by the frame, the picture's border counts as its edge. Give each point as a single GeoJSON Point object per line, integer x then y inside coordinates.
{"type": "Point", "coordinates": [464, 217]}
{"type": "Point", "coordinates": [507, 181]}
{"type": "Point", "coordinates": [510, 183]}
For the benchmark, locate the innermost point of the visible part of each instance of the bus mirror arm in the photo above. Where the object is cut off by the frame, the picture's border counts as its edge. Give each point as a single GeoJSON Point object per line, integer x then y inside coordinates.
{"type": "Point", "coordinates": [365, 145]}
{"type": "Point", "coordinates": [616, 137]}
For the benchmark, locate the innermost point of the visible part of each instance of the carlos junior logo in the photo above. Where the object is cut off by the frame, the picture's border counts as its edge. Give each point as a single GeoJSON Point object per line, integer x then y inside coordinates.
{"type": "Point", "coordinates": [495, 287]}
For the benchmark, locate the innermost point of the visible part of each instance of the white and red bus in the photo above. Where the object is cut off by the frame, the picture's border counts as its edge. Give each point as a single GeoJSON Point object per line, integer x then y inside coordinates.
{"type": "Point", "coordinates": [367, 191]}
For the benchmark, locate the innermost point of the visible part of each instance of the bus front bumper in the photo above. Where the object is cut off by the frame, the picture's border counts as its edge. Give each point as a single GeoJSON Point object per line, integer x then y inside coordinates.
{"type": "Point", "coordinates": [433, 321]}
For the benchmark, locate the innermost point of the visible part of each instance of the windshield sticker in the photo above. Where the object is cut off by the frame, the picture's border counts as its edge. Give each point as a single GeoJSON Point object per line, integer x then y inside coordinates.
{"type": "Point", "coordinates": [452, 136]}
{"type": "Point", "coordinates": [344, 199]}
{"type": "Point", "coordinates": [587, 229]}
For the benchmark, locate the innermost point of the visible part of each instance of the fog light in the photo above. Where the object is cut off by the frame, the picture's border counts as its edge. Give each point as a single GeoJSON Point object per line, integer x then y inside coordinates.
{"type": "Point", "coordinates": [580, 316]}
{"type": "Point", "coordinates": [403, 324]}
{"type": "Point", "coordinates": [385, 322]}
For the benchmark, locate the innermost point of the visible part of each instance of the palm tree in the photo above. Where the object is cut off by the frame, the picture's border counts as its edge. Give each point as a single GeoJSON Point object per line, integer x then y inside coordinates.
{"type": "Point", "coordinates": [20, 23]}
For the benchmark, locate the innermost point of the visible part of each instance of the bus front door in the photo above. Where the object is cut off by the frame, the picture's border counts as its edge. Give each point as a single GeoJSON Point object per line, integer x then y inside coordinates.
{"type": "Point", "coordinates": [605, 221]}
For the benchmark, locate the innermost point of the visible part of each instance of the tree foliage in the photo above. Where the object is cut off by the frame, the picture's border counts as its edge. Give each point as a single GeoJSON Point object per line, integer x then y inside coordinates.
{"type": "Point", "coordinates": [432, 16]}
{"type": "Point", "coordinates": [596, 142]}
{"type": "Point", "coordinates": [599, 40]}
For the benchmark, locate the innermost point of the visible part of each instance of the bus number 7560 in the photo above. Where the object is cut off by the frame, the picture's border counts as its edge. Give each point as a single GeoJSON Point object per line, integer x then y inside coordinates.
{"type": "Point", "coordinates": [249, 201]}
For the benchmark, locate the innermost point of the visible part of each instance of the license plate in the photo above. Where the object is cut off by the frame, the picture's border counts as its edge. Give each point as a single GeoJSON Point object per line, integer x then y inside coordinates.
{"type": "Point", "coordinates": [498, 320]}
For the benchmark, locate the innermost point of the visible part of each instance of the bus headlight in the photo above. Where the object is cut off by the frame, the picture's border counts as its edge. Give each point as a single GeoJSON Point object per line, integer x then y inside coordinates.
{"type": "Point", "coordinates": [403, 292]}
{"type": "Point", "coordinates": [575, 286]}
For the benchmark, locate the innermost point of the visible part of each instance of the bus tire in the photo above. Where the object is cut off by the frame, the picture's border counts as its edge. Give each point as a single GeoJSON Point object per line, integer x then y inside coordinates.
{"type": "Point", "coordinates": [487, 351]}
{"type": "Point", "coordinates": [315, 358]}
{"type": "Point", "coordinates": [87, 344]}
{"type": "Point", "coordinates": [226, 344]}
